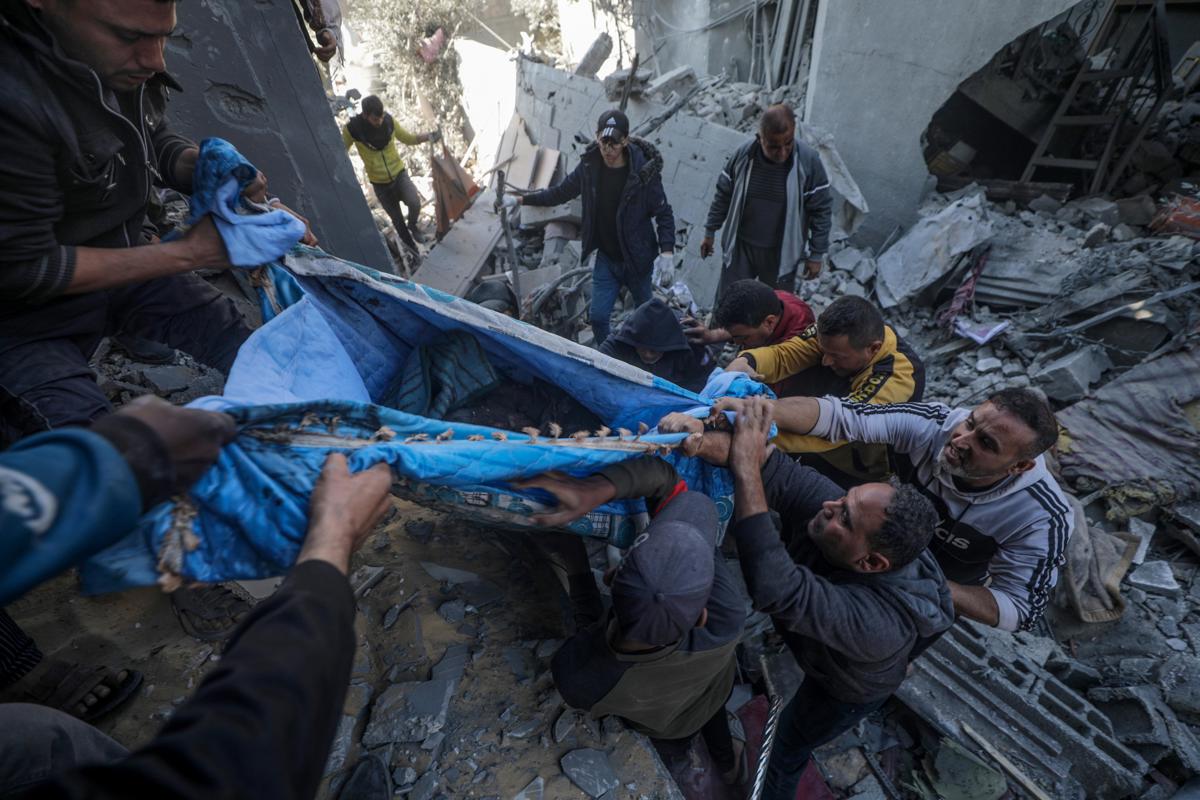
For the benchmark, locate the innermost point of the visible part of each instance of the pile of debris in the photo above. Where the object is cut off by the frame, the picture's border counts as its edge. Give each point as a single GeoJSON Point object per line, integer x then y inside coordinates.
{"type": "Point", "coordinates": [1059, 296]}
{"type": "Point", "coordinates": [736, 105]}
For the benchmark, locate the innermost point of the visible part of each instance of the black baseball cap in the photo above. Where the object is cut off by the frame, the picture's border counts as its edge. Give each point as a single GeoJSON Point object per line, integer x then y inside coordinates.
{"type": "Point", "coordinates": [664, 581]}
{"type": "Point", "coordinates": [613, 124]}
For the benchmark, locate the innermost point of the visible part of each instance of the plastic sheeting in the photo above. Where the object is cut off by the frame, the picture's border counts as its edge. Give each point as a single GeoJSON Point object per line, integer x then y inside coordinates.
{"type": "Point", "coordinates": [307, 384]}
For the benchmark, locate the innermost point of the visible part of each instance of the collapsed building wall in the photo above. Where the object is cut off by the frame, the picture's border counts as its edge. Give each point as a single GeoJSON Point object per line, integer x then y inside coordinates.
{"type": "Point", "coordinates": [248, 77]}
{"type": "Point", "coordinates": [880, 71]}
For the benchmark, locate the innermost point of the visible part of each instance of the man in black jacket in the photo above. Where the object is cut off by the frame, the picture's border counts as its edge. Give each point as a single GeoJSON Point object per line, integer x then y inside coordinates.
{"type": "Point", "coordinates": [857, 595]}
{"type": "Point", "coordinates": [627, 220]}
{"type": "Point", "coordinates": [773, 207]}
{"type": "Point", "coordinates": [261, 722]}
{"type": "Point", "coordinates": [85, 141]}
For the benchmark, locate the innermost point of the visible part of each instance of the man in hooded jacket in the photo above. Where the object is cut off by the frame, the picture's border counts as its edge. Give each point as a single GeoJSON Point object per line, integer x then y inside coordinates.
{"type": "Point", "coordinates": [653, 339]}
{"type": "Point", "coordinates": [846, 577]}
{"type": "Point", "coordinates": [627, 221]}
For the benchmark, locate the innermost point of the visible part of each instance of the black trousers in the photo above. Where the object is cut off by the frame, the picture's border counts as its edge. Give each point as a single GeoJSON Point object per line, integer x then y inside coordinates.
{"type": "Point", "coordinates": [717, 739]}
{"type": "Point", "coordinates": [391, 195]}
{"type": "Point", "coordinates": [46, 382]}
{"type": "Point", "coordinates": [760, 263]}
{"type": "Point", "coordinates": [44, 350]}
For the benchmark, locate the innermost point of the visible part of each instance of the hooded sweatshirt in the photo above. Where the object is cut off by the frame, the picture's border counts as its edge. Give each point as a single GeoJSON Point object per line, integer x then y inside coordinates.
{"type": "Point", "coordinates": [852, 632]}
{"type": "Point", "coordinates": [654, 326]}
{"type": "Point", "coordinates": [1011, 537]}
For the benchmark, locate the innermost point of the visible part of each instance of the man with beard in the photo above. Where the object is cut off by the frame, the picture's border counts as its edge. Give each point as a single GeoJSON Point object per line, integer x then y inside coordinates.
{"type": "Point", "coordinates": [850, 353]}
{"type": "Point", "coordinates": [1004, 520]}
{"type": "Point", "coordinates": [845, 576]}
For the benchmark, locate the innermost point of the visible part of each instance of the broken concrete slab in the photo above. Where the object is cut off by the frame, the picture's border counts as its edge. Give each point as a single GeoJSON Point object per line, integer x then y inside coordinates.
{"type": "Point", "coordinates": [1156, 577]}
{"type": "Point", "coordinates": [409, 712]}
{"type": "Point", "coordinates": [167, 378]}
{"type": "Point", "coordinates": [535, 790]}
{"type": "Point", "coordinates": [1097, 209]}
{"type": "Point", "coordinates": [590, 771]}
{"type": "Point", "coordinates": [931, 248]}
{"type": "Point", "coordinates": [680, 80]}
{"type": "Point", "coordinates": [1141, 719]}
{"type": "Point", "coordinates": [1067, 379]}
{"type": "Point", "coordinates": [974, 674]}
{"type": "Point", "coordinates": [1145, 532]}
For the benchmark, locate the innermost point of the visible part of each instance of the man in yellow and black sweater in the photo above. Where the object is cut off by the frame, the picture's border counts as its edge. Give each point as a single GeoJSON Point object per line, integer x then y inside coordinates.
{"type": "Point", "coordinates": [374, 133]}
{"type": "Point", "coordinates": [849, 353]}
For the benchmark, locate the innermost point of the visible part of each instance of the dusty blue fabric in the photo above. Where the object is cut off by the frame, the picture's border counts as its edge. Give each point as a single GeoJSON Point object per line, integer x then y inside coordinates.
{"type": "Point", "coordinates": [315, 380]}
{"type": "Point", "coordinates": [252, 236]}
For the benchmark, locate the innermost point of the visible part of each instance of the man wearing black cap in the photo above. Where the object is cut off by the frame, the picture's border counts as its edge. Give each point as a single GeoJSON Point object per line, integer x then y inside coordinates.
{"type": "Point", "coordinates": [848, 581]}
{"type": "Point", "coordinates": [663, 658]}
{"type": "Point", "coordinates": [627, 220]}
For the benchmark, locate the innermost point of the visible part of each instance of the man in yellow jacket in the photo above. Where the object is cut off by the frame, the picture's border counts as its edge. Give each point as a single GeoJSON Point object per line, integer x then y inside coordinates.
{"type": "Point", "coordinates": [374, 133]}
{"type": "Point", "coordinates": [849, 353]}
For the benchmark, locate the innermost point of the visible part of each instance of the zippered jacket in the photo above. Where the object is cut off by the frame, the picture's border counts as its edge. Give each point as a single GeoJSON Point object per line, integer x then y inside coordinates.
{"type": "Point", "coordinates": [1011, 537]}
{"type": "Point", "coordinates": [381, 160]}
{"type": "Point", "coordinates": [78, 162]}
{"type": "Point", "coordinates": [809, 214]}
{"type": "Point", "coordinates": [645, 222]}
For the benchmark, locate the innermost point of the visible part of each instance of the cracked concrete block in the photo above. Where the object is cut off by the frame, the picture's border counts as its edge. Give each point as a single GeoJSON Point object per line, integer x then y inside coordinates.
{"type": "Point", "coordinates": [409, 712]}
{"type": "Point", "coordinates": [1097, 209]}
{"type": "Point", "coordinates": [1156, 577]}
{"type": "Point", "coordinates": [974, 674]}
{"type": "Point", "coordinates": [1068, 378]}
{"type": "Point", "coordinates": [1097, 235]}
{"type": "Point", "coordinates": [1045, 204]}
{"type": "Point", "coordinates": [590, 771]}
{"type": "Point", "coordinates": [680, 80]}
{"type": "Point", "coordinates": [1140, 718]}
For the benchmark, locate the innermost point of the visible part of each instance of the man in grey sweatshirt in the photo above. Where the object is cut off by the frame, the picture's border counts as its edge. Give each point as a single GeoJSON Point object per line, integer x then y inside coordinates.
{"type": "Point", "coordinates": [857, 595]}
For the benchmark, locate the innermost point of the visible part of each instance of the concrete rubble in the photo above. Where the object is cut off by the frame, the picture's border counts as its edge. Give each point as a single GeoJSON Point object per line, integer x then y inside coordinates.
{"type": "Point", "coordinates": [451, 685]}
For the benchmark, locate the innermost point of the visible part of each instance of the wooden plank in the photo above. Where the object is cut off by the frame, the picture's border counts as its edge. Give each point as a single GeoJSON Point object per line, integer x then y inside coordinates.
{"type": "Point", "coordinates": [518, 154]}
{"type": "Point", "coordinates": [456, 261]}
{"type": "Point", "coordinates": [1026, 782]}
{"type": "Point", "coordinates": [1074, 163]}
{"type": "Point", "coordinates": [1001, 189]}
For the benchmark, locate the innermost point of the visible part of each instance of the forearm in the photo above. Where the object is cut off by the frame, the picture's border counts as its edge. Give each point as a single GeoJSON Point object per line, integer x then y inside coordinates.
{"type": "Point", "coordinates": [261, 723]}
{"type": "Point", "coordinates": [649, 477]}
{"type": "Point", "coordinates": [749, 496]}
{"type": "Point", "coordinates": [185, 168]}
{"type": "Point", "coordinates": [105, 268]}
{"type": "Point", "coordinates": [975, 602]}
{"type": "Point", "coordinates": [796, 414]}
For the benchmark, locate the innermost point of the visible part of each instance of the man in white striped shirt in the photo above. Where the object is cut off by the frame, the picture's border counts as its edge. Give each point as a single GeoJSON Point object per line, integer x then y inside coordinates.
{"type": "Point", "coordinates": [1004, 520]}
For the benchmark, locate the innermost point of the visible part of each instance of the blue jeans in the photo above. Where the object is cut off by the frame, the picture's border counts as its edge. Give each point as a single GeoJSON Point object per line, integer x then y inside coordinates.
{"type": "Point", "coordinates": [606, 287]}
{"type": "Point", "coordinates": [811, 719]}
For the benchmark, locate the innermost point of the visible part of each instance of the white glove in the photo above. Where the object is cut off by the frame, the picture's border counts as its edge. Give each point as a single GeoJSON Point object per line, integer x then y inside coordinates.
{"type": "Point", "coordinates": [510, 201]}
{"type": "Point", "coordinates": [664, 264]}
